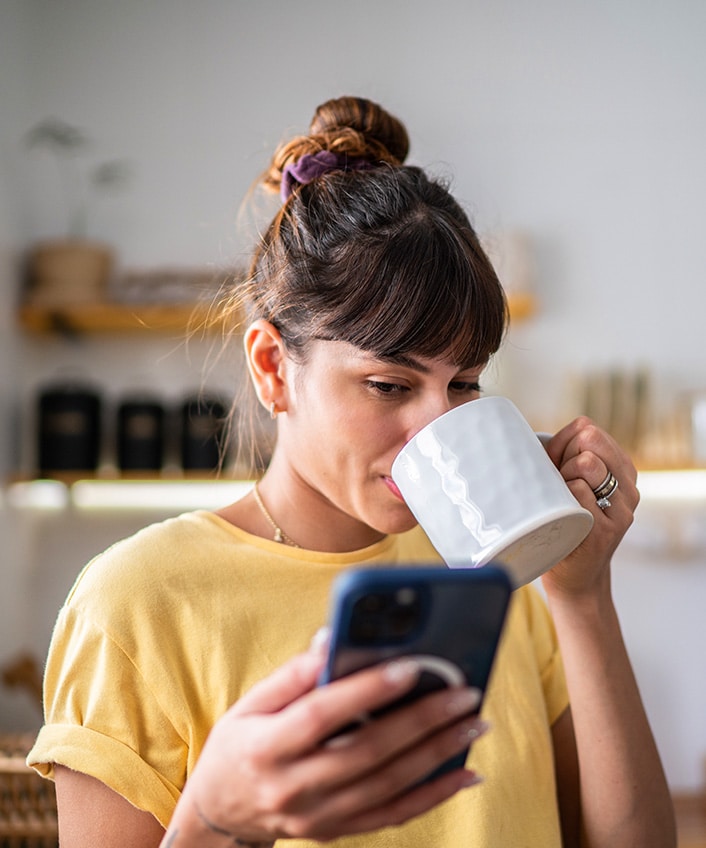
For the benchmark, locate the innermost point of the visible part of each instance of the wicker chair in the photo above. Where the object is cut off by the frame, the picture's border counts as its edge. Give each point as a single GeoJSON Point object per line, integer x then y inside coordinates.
{"type": "Point", "coordinates": [27, 801]}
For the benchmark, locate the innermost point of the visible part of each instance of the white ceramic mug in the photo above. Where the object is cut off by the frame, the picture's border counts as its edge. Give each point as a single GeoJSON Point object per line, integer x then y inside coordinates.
{"type": "Point", "coordinates": [483, 488]}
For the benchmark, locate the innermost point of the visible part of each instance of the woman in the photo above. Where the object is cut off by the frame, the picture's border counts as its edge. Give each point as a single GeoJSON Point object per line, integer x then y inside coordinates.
{"type": "Point", "coordinates": [181, 699]}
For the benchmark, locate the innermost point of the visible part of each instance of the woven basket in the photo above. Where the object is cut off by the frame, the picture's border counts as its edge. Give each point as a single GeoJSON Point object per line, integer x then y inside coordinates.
{"type": "Point", "coordinates": [27, 801]}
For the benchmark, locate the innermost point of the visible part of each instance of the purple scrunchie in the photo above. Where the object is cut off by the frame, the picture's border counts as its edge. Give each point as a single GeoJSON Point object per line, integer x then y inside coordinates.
{"type": "Point", "coordinates": [313, 165]}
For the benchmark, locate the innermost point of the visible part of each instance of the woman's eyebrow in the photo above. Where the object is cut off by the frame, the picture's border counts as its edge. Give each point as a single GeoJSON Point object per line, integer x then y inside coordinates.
{"type": "Point", "coordinates": [404, 360]}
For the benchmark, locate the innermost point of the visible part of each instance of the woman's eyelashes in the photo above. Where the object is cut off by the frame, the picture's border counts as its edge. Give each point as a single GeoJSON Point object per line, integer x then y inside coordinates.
{"type": "Point", "coordinates": [384, 388]}
{"type": "Point", "coordinates": [465, 387]}
{"type": "Point", "coordinates": [389, 389]}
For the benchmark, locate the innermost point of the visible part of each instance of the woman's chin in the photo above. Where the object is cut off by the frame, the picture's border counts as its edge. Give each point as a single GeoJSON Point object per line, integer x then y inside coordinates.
{"type": "Point", "coordinates": [400, 522]}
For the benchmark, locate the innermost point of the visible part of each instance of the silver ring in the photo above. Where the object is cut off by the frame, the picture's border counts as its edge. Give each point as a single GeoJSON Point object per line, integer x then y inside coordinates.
{"type": "Point", "coordinates": [603, 484]}
{"type": "Point", "coordinates": [605, 490]}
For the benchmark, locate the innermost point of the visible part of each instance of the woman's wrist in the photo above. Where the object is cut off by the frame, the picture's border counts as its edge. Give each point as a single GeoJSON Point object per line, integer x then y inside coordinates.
{"type": "Point", "coordinates": [191, 826]}
{"type": "Point", "coordinates": [569, 586]}
{"type": "Point", "coordinates": [235, 840]}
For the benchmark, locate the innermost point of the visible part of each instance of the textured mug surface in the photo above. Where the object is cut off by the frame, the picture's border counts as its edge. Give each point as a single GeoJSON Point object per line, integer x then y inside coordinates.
{"type": "Point", "coordinates": [483, 488]}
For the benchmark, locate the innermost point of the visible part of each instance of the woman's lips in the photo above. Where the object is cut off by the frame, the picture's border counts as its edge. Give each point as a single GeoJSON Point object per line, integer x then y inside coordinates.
{"type": "Point", "coordinates": [392, 486]}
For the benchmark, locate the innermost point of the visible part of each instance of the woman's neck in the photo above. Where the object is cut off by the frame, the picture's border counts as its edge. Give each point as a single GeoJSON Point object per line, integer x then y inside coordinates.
{"type": "Point", "coordinates": [291, 512]}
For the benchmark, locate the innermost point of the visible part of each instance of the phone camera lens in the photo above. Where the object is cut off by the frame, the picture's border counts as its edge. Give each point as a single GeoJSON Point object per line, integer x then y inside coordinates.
{"type": "Point", "coordinates": [402, 620]}
{"type": "Point", "coordinates": [372, 603]}
{"type": "Point", "coordinates": [386, 616]}
{"type": "Point", "coordinates": [406, 596]}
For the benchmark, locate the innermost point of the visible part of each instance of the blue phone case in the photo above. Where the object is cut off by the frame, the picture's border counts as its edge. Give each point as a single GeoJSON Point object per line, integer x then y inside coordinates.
{"type": "Point", "coordinates": [452, 618]}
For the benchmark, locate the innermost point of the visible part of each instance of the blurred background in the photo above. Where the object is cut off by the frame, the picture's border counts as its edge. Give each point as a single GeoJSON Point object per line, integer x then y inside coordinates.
{"type": "Point", "coordinates": [573, 133]}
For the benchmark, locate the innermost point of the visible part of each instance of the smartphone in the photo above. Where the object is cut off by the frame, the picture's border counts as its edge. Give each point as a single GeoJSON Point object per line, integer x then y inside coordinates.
{"type": "Point", "coordinates": [450, 619]}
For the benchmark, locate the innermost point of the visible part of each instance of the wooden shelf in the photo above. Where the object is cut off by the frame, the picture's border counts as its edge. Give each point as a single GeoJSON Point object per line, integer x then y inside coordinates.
{"type": "Point", "coordinates": [113, 318]}
{"type": "Point", "coordinates": [80, 318]}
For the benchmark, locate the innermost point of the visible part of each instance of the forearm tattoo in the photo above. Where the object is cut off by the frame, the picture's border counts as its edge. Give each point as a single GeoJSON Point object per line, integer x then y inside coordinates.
{"type": "Point", "coordinates": [212, 826]}
{"type": "Point", "coordinates": [170, 839]}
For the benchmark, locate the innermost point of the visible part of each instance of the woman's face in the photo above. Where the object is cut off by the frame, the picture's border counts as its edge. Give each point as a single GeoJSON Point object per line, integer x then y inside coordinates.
{"type": "Point", "coordinates": [348, 415]}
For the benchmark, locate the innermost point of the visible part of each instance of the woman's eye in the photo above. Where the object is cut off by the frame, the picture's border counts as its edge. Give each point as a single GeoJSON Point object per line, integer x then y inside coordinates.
{"type": "Point", "coordinates": [465, 387]}
{"type": "Point", "coordinates": [386, 388]}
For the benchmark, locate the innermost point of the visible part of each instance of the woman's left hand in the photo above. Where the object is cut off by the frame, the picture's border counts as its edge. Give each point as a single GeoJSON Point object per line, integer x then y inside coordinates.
{"type": "Point", "coordinates": [585, 454]}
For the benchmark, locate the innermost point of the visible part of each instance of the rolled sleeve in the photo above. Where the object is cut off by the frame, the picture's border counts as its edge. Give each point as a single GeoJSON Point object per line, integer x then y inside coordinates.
{"type": "Point", "coordinates": [102, 718]}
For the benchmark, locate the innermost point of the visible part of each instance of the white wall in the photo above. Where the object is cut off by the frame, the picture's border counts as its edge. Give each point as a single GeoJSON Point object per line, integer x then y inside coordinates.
{"type": "Point", "coordinates": [13, 100]}
{"type": "Point", "coordinates": [14, 598]}
{"type": "Point", "coordinates": [659, 580]}
{"type": "Point", "coordinates": [583, 124]}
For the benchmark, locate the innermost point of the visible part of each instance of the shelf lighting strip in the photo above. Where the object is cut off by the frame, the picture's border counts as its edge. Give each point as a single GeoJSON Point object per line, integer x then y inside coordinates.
{"type": "Point", "coordinates": [125, 495]}
{"type": "Point", "coordinates": [677, 487]}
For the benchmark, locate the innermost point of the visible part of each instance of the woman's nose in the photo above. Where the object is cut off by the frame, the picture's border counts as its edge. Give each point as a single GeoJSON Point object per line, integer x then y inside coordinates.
{"type": "Point", "coordinates": [427, 412]}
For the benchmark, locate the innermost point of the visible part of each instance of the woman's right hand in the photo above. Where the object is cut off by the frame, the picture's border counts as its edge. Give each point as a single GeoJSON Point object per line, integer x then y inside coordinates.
{"type": "Point", "coordinates": [267, 770]}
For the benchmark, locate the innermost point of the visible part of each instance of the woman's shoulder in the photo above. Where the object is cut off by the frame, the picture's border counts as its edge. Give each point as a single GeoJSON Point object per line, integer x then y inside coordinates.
{"type": "Point", "coordinates": [147, 559]}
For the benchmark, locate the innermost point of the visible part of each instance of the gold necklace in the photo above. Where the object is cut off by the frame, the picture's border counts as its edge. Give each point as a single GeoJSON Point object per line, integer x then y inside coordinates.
{"type": "Point", "coordinates": [280, 535]}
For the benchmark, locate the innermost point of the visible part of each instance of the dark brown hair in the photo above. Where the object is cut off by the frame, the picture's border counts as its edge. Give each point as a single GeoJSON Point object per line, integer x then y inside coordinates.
{"type": "Point", "coordinates": [382, 258]}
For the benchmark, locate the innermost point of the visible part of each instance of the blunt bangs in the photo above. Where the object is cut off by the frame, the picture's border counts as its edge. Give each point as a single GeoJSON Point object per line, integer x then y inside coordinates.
{"type": "Point", "coordinates": [385, 260]}
{"type": "Point", "coordinates": [428, 292]}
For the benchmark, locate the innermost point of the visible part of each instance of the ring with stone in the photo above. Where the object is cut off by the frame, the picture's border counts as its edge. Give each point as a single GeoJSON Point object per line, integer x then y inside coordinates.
{"type": "Point", "coordinates": [605, 490]}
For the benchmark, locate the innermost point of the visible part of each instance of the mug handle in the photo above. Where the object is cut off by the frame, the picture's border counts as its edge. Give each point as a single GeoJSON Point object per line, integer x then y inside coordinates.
{"type": "Point", "coordinates": [544, 438]}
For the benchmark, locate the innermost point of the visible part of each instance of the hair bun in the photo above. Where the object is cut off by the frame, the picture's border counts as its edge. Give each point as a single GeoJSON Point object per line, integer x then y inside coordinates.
{"type": "Point", "coordinates": [350, 127]}
{"type": "Point", "coordinates": [375, 124]}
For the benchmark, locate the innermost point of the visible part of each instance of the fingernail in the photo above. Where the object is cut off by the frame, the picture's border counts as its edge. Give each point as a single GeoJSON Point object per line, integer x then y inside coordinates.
{"type": "Point", "coordinates": [471, 779]}
{"type": "Point", "coordinates": [463, 701]}
{"type": "Point", "coordinates": [319, 641]}
{"type": "Point", "coordinates": [402, 671]}
{"type": "Point", "coordinates": [472, 730]}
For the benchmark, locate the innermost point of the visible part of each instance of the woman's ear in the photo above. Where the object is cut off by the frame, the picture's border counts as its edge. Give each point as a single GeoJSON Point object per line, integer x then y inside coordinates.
{"type": "Point", "coordinates": [265, 354]}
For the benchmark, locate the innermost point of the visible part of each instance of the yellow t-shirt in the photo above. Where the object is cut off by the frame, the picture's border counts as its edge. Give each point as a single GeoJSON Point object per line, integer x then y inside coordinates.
{"type": "Point", "coordinates": [165, 630]}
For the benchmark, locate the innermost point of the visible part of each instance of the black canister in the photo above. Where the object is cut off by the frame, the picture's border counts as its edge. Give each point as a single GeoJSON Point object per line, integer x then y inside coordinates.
{"type": "Point", "coordinates": [140, 435]}
{"type": "Point", "coordinates": [69, 428]}
{"type": "Point", "coordinates": [202, 430]}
